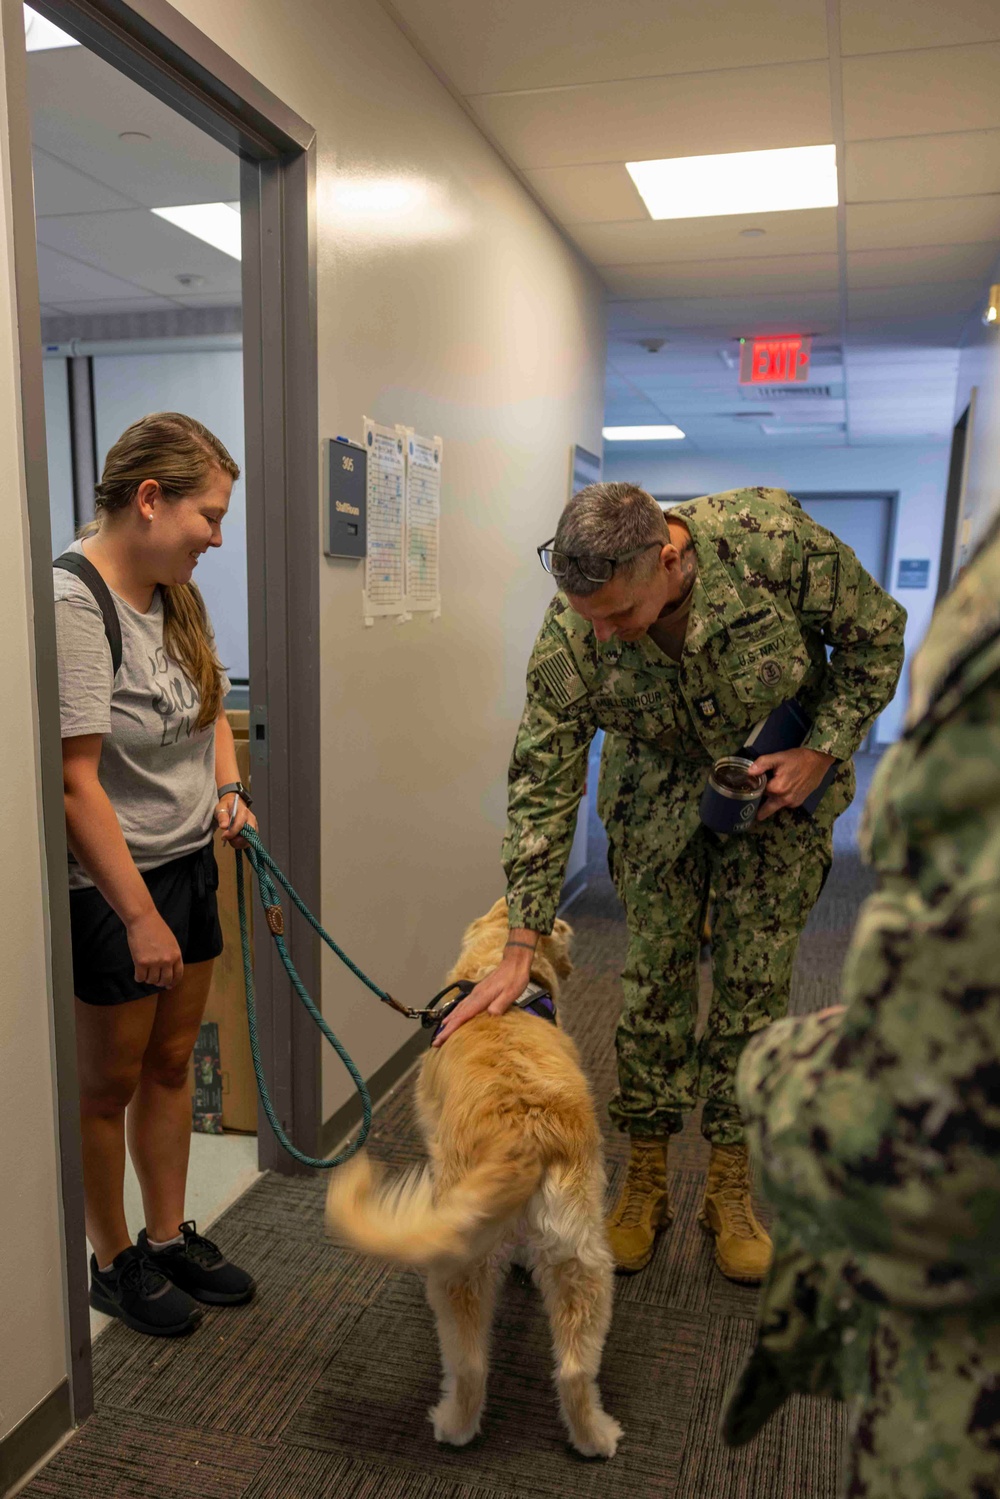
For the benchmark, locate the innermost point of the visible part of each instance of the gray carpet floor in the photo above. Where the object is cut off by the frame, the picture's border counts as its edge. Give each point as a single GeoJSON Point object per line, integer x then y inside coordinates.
{"type": "Point", "coordinates": [321, 1386]}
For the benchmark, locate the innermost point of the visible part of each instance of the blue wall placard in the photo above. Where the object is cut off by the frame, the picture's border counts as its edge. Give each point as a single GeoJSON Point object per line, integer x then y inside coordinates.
{"type": "Point", "coordinates": [914, 572]}
{"type": "Point", "coordinates": [346, 498]}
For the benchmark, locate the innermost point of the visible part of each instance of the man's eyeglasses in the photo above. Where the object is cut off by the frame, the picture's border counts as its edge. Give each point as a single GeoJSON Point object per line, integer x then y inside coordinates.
{"type": "Point", "coordinates": [594, 569]}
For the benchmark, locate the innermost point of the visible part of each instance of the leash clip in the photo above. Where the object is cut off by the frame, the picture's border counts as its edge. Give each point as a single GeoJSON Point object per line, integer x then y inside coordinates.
{"type": "Point", "coordinates": [405, 1010]}
{"type": "Point", "coordinates": [432, 1016]}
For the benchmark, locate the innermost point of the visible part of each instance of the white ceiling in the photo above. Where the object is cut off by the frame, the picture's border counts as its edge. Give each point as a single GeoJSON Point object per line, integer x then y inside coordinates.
{"type": "Point", "coordinates": [571, 90]}
{"type": "Point", "coordinates": [99, 247]}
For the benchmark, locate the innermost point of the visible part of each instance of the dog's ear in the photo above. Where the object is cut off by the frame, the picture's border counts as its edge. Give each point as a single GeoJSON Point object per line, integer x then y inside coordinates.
{"type": "Point", "coordinates": [558, 947]}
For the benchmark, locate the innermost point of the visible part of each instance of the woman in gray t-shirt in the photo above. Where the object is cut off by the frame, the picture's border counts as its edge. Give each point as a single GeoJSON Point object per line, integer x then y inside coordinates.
{"type": "Point", "coordinates": [147, 755]}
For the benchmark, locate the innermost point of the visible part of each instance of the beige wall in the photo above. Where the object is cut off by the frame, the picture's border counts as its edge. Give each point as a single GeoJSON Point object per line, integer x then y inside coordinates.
{"type": "Point", "coordinates": [473, 320]}
{"type": "Point", "coordinates": [470, 319]}
{"type": "Point", "coordinates": [31, 1280]}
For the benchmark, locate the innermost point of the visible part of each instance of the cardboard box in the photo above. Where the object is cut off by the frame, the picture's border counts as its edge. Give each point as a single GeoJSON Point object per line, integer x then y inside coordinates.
{"type": "Point", "coordinates": [227, 997]}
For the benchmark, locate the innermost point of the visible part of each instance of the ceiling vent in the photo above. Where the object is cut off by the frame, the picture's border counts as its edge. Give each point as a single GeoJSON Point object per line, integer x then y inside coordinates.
{"type": "Point", "coordinates": [803, 429]}
{"type": "Point", "coordinates": [794, 392]}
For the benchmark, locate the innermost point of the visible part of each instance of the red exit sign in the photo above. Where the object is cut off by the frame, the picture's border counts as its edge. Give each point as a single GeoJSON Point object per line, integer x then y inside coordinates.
{"type": "Point", "coordinates": [774, 361]}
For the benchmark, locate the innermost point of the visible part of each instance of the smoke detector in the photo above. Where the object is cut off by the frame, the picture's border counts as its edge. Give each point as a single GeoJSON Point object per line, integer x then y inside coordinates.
{"type": "Point", "coordinates": [191, 281]}
{"type": "Point", "coordinates": [652, 345]}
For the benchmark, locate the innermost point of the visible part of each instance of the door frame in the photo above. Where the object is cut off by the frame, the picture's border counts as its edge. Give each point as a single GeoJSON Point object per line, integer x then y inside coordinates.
{"type": "Point", "coordinates": [888, 550]}
{"type": "Point", "coordinates": [162, 50]}
{"type": "Point", "coordinates": [869, 743]}
{"type": "Point", "coordinates": [890, 495]}
{"type": "Point", "coordinates": [954, 503]}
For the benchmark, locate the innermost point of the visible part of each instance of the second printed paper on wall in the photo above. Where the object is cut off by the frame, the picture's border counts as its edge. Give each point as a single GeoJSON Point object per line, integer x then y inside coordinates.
{"type": "Point", "coordinates": [402, 574]}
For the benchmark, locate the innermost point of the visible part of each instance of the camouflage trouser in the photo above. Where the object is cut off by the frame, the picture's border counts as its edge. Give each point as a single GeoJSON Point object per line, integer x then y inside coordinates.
{"type": "Point", "coordinates": [765, 883]}
{"type": "Point", "coordinates": [925, 1418]}
{"type": "Point", "coordinates": [924, 1385]}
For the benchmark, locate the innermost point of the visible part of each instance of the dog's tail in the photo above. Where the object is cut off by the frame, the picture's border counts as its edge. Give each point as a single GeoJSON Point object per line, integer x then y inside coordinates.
{"type": "Point", "coordinates": [405, 1222]}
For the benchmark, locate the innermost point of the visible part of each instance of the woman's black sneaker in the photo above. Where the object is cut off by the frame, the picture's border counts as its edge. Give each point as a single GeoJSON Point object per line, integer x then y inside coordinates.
{"type": "Point", "coordinates": [135, 1291]}
{"type": "Point", "coordinates": [201, 1269]}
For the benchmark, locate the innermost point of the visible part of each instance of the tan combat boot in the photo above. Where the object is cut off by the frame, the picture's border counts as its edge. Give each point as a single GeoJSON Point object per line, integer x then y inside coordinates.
{"type": "Point", "coordinates": [642, 1206]}
{"type": "Point", "coordinates": [743, 1249]}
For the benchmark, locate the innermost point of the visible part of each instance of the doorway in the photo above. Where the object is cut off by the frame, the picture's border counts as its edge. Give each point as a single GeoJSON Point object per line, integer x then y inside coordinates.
{"type": "Point", "coordinates": [866, 522]}
{"type": "Point", "coordinates": [137, 219]}
{"type": "Point", "coordinates": [955, 500]}
{"type": "Point", "coordinates": [270, 154]}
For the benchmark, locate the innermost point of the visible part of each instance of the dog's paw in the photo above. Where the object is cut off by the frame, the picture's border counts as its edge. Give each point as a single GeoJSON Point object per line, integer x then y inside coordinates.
{"type": "Point", "coordinates": [448, 1428]}
{"type": "Point", "coordinates": [601, 1439]}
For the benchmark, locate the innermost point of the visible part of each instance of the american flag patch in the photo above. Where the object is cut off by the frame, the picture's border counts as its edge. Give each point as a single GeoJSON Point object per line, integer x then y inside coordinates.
{"type": "Point", "coordinates": [559, 676]}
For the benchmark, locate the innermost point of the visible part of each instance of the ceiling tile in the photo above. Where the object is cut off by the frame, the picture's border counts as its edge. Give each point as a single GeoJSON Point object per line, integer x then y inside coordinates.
{"type": "Point", "coordinates": [499, 45]}
{"type": "Point", "coordinates": [864, 355]}
{"type": "Point", "coordinates": [79, 107]}
{"type": "Point", "coordinates": [62, 279]}
{"type": "Point", "coordinates": [144, 249]}
{"type": "Point", "coordinates": [934, 424]}
{"type": "Point", "coordinates": [809, 231]}
{"type": "Point", "coordinates": [934, 221]}
{"type": "Point", "coordinates": [724, 278]}
{"type": "Point", "coordinates": [61, 189]}
{"type": "Point", "coordinates": [725, 318]}
{"type": "Point", "coordinates": [588, 194]}
{"type": "Point", "coordinates": [685, 115]}
{"type": "Point", "coordinates": [905, 389]}
{"type": "Point", "coordinates": [924, 166]}
{"type": "Point", "coordinates": [914, 267]}
{"type": "Point", "coordinates": [911, 331]}
{"type": "Point", "coordinates": [943, 298]}
{"type": "Point", "coordinates": [896, 25]}
{"type": "Point", "coordinates": [955, 88]}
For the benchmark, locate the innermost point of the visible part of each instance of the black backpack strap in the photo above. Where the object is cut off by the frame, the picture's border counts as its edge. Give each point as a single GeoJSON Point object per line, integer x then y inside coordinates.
{"type": "Point", "coordinates": [77, 564]}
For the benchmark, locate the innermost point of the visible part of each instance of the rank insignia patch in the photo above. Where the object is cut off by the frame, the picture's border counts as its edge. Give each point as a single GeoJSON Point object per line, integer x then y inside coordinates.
{"type": "Point", "coordinates": [707, 707]}
{"type": "Point", "coordinates": [769, 672]}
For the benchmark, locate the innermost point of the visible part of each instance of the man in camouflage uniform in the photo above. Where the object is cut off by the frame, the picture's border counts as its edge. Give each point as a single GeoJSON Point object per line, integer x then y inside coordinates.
{"type": "Point", "coordinates": [878, 1128]}
{"type": "Point", "coordinates": [710, 618]}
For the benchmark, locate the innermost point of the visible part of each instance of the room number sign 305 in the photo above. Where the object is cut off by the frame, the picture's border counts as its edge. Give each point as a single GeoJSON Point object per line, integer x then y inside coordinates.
{"type": "Point", "coordinates": [346, 468]}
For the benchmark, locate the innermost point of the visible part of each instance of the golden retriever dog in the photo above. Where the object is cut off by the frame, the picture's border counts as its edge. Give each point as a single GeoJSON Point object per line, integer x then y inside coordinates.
{"type": "Point", "coordinates": [516, 1164]}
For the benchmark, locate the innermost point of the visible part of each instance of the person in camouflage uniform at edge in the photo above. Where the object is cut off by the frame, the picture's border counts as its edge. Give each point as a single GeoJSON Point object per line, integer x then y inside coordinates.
{"type": "Point", "coordinates": [742, 593]}
{"type": "Point", "coordinates": [878, 1127]}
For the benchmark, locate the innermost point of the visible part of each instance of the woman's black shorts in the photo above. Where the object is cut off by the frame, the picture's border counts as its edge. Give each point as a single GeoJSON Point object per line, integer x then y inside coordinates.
{"type": "Point", "coordinates": [185, 894]}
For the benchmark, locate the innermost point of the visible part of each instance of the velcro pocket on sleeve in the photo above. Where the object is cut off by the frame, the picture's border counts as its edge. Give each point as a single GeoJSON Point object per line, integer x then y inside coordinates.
{"type": "Point", "coordinates": [820, 580]}
{"type": "Point", "coordinates": [559, 677]}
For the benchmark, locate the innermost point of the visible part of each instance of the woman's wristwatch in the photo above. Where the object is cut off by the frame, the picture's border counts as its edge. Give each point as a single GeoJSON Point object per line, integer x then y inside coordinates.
{"type": "Point", "coordinates": [241, 792]}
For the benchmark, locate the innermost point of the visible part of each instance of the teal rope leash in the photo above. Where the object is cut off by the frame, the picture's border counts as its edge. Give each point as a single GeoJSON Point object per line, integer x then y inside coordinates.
{"type": "Point", "coordinates": [264, 867]}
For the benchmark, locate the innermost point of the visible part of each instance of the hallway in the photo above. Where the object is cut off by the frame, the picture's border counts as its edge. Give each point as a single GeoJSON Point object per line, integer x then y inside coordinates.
{"type": "Point", "coordinates": [321, 1386]}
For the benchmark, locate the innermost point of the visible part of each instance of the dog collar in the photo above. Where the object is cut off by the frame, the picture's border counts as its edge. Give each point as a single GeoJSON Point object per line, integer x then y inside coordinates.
{"type": "Point", "coordinates": [534, 1001]}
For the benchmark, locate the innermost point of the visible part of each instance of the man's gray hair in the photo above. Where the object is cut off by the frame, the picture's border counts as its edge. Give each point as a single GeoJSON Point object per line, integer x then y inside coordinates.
{"type": "Point", "coordinates": [607, 520]}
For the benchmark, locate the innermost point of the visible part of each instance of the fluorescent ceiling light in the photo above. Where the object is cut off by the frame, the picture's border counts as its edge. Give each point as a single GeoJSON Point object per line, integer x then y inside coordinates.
{"type": "Point", "coordinates": [641, 434]}
{"type": "Point", "coordinates": [41, 36]}
{"type": "Point", "coordinates": [217, 224]}
{"type": "Point", "coordinates": [698, 187]}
